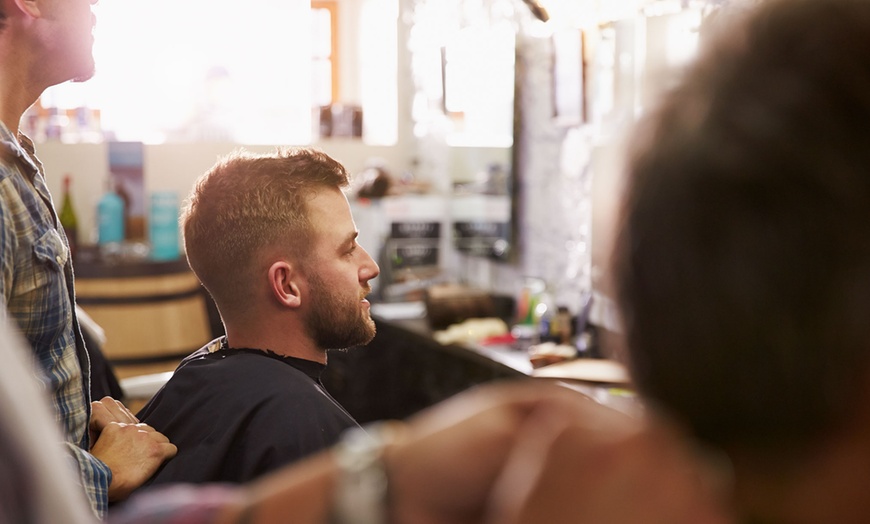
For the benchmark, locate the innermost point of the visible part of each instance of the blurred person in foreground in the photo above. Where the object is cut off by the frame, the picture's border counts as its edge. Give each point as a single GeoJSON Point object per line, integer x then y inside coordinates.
{"type": "Point", "coordinates": [743, 263]}
{"type": "Point", "coordinates": [44, 43]}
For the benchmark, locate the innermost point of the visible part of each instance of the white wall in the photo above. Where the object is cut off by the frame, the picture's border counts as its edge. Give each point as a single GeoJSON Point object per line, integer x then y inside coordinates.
{"type": "Point", "coordinates": [167, 167]}
{"type": "Point", "coordinates": [176, 166]}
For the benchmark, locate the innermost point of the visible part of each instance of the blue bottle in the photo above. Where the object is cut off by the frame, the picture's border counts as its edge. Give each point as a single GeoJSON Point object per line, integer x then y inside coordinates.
{"type": "Point", "coordinates": [163, 226]}
{"type": "Point", "coordinates": [110, 217]}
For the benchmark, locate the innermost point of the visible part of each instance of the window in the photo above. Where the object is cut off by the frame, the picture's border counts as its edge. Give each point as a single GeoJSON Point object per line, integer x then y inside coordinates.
{"type": "Point", "coordinates": [324, 53]}
{"type": "Point", "coordinates": [477, 71]}
{"type": "Point", "coordinates": [250, 73]}
{"type": "Point", "coordinates": [463, 61]}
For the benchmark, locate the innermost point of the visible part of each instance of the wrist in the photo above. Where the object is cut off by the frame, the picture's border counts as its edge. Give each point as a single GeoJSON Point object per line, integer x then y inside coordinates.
{"type": "Point", "coordinates": [362, 492]}
{"type": "Point", "coordinates": [118, 490]}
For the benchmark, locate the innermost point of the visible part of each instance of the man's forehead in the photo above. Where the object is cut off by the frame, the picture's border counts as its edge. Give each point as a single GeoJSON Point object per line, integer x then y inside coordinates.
{"type": "Point", "coordinates": [330, 216]}
{"type": "Point", "coordinates": [327, 201]}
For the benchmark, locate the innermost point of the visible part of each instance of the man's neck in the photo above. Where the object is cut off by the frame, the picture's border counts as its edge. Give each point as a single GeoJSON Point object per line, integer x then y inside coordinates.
{"type": "Point", "coordinates": [11, 112]}
{"type": "Point", "coordinates": [289, 343]}
{"type": "Point", "coordinates": [16, 90]}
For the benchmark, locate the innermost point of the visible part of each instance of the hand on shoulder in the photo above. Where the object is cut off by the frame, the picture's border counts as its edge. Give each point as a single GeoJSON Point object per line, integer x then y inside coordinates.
{"type": "Point", "coordinates": [132, 451]}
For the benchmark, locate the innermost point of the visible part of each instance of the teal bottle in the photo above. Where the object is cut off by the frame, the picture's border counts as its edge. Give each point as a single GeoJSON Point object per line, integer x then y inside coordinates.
{"type": "Point", "coordinates": [110, 217]}
{"type": "Point", "coordinates": [163, 226]}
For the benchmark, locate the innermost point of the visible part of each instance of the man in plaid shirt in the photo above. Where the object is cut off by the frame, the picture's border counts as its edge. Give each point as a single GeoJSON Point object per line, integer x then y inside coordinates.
{"type": "Point", "coordinates": [43, 44]}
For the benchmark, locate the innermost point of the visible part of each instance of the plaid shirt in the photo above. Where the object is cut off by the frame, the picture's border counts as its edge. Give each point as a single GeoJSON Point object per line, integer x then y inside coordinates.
{"type": "Point", "coordinates": [37, 286]}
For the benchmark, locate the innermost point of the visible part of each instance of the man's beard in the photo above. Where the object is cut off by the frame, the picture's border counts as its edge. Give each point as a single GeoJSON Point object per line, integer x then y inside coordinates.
{"type": "Point", "coordinates": [335, 322]}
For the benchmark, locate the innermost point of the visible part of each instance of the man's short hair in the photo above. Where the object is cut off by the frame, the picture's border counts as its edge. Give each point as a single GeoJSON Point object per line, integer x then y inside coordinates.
{"type": "Point", "coordinates": [743, 261]}
{"type": "Point", "coordinates": [247, 203]}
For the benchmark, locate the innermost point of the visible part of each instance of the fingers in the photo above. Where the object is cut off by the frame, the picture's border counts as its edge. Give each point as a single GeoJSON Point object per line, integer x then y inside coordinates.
{"type": "Point", "coordinates": [118, 410]}
{"type": "Point", "coordinates": [133, 452]}
{"type": "Point", "coordinates": [108, 410]}
{"type": "Point", "coordinates": [140, 435]}
{"type": "Point", "coordinates": [167, 449]}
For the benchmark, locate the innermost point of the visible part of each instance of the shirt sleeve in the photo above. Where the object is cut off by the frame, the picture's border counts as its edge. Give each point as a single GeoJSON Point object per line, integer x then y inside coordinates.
{"type": "Point", "coordinates": [8, 245]}
{"type": "Point", "coordinates": [95, 477]}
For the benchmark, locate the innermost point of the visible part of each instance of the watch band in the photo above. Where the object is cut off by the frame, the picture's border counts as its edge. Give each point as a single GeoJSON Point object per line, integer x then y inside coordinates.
{"type": "Point", "coordinates": [362, 489]}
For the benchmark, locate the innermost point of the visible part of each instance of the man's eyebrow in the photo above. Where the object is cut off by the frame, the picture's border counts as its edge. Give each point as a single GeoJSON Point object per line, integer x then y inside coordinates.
{"type": "Point", "coordinates": [351, 238]}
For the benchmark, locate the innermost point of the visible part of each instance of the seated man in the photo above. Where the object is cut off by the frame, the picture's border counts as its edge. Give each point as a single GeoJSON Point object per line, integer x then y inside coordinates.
{"type": "Point", "coordinates": [744, 264]}
{"type": "Point", "coordinates": [272, 239]}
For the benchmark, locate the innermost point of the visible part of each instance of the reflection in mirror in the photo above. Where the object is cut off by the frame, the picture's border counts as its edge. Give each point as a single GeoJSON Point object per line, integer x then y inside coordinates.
{"type": "Point", "coordinates": [463, 57]}
{"type": "Point", "coordinates": [463, 63]}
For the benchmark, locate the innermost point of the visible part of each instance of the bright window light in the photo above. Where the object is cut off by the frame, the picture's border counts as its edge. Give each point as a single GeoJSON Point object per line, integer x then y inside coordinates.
{"type": "Point", "coordinates": [199, 70]}
{"type": "Point", "coordinates": [463, 63]}
{"type": "Point", "coordinates": [378, 65]}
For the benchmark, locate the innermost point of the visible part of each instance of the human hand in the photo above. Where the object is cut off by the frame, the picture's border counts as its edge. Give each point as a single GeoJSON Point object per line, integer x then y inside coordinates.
{"type": "Point", "coordinates": [133, 452]}
{"type": "Point", "coordinates": [442, 471]}
{"type": "Point", "coordinates": [105, 411]}
{"type": "Point", "coordinates": [573, 464]}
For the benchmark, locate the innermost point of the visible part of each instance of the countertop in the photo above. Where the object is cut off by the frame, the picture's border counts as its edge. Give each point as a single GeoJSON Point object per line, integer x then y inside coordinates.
{"type": "Point", "coordinates": [606, 381]}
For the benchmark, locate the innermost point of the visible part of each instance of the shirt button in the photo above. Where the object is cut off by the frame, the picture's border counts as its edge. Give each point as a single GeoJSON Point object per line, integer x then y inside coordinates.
{"type": "Point", "coordinates": [59, 259]}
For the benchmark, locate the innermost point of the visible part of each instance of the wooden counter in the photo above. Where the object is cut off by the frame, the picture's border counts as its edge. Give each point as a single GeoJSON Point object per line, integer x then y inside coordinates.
{"type": "Point", "coordinates": [153, 313]}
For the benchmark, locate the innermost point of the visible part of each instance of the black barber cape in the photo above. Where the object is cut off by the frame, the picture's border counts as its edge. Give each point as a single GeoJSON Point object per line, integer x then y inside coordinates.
{"type": "Point", "coordinates": [236, 414]}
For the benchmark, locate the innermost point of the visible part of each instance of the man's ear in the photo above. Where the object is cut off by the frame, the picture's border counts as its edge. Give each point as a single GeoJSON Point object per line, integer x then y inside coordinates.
{"type": "Point", "coordinates": [284, 285]}
{"type": "Point", "coordinates": [29, 7]}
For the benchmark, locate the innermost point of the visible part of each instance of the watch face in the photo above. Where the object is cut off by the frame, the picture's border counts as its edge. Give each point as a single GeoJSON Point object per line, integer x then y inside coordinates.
{"type": "Point", "coordinates": [361, 493]}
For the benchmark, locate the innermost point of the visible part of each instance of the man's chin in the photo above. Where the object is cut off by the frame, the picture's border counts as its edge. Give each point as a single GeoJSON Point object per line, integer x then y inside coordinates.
{"type": "Point", "coordinates": [362, 335]}
{"type": "Point", "coordinates": [84, 77]}
{"type": "Point", "coordinates": [80, 79]}
{"type": "Point", "coordinates": [369, 334]}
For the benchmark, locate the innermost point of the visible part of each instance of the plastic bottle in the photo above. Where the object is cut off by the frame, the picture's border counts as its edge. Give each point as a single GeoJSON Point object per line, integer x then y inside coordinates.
{"type": "Point", "coordinates": [563, 325]}
{"type": "Point", "coordinates": [545, 315]}
{"type": "Point", "coordinates": [163, 226]}
{"type": "Point", "coordinates": [110, 217]}
{"type": "Point", "coordinates": [68, 219]}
